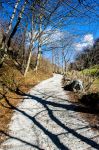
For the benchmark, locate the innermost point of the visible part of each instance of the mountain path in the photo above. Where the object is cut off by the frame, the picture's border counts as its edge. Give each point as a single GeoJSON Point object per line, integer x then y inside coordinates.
{"type": "Point", "coordinates": [46, 120]}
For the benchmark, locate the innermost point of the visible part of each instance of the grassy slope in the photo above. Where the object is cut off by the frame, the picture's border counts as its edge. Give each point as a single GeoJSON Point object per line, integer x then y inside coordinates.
{"type": "Point", "coordinates": [89, 98]}
{"type": "Point", "coordinates": [93, 71]}
{"type": "Point", "coordinates": [9, 74]}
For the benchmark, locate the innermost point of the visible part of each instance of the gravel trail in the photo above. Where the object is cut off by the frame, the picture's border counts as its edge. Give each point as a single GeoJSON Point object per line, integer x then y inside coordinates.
{"type": "Point", "coordinates": [46, 120]}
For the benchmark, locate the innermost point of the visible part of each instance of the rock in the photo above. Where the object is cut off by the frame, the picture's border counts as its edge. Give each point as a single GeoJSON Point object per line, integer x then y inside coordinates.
{"type": "Point", "coordinates": [74, 85]}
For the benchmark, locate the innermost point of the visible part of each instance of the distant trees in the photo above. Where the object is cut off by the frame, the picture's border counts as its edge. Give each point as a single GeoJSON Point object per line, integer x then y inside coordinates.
{"type": "Point", "coordinates": [89, 57]}
{"type": "Point", "coordinates": [25, 23]}
{"type": "Point", "coordinates": [86, 65]}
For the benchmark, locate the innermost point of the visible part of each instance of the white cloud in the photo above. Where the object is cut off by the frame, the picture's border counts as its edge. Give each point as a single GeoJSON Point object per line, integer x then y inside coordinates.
{"type": "Point", "coordinates": [53, 35]}
{"type": "Point", "coordinates": [80, 46]}
{"type": "Point", "coordinates": [87, 40]}
{"type": "Point", "coordinates": [56, 35]}
{"type": "Point", "coordinates": [49, 36]}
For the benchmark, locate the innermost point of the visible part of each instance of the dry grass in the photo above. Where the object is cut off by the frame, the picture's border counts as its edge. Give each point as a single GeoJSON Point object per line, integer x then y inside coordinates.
{"type": "Point", "coordinates": [89, 98]}
{"type": "Point", "coordinates": [11, 78]}
{"type": "Point", "coordinates": [6, 113]}
{"type": "Point", "coordinates": [90, 83]}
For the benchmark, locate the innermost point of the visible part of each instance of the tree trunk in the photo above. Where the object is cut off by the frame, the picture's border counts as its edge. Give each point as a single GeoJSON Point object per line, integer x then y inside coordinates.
{"type": "Point", "coordinates": [63, 60]}
{"type": "Point", "coordinates": [23, 50]}
{"type": "Point", "coordinates": [58, 57]}
{"type": "Point", "coordinates": [30, 47]}
{"type": "Point", "coordinates": [28, 63]}
{"type": "Point", "coordinates": [17, 24]}
{"type": "Point", "coordinates": [38, 58]}
{"type": "Point", "coordinates": [10, 24]}
{"type": "Point", "coordinates": [53, 60]}
{"type": "Point", "coordinates": [39, 46]}
{"type": "Point", "coordinates": [7, 40]}
{"type": "Point", "coordinates": [4, 40]}
{"type": "Point", "coordinates": [13, 15]}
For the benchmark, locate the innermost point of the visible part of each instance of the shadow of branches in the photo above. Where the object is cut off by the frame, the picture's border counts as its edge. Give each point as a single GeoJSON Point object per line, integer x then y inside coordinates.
{"type": "Point", "coordinates": [18, 139]}
{"type": "Point", "coordinates": [54, 137]}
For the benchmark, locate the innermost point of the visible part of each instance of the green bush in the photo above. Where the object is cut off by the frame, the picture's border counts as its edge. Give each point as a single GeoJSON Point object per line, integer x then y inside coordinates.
{"type": "Point", "coordinates": [93, 71]}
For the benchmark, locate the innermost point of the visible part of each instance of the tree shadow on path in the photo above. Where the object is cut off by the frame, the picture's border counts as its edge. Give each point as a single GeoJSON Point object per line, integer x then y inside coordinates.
{"type": "Point", "coordinates": [53, 137]}
{"type": "Point", "coordinates": [20, 140]}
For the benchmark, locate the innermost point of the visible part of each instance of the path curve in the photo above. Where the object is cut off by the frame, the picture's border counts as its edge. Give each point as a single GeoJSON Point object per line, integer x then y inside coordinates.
{"type": "Point", "coordinates": [45, 120]}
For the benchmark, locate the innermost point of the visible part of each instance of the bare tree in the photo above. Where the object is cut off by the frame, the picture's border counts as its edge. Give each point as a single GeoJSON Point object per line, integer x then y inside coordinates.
{"type": "Point", "coordinates": [7, 39]}
{"type": "Point", "coordinates": [30, 47]}
{"type": "Point", "coordinates": [39, 46]}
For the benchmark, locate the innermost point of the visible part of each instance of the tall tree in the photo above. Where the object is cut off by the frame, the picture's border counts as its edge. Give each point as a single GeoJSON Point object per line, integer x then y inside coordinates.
{"type": "Point", "coordinates": [7, 38]}
{"type": "Point", "coordinates": [30, 46]}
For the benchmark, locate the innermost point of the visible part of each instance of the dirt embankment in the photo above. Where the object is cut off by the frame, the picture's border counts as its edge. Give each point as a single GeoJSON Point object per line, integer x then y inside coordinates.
{"type": "Point", "coordinates": [10, 79]}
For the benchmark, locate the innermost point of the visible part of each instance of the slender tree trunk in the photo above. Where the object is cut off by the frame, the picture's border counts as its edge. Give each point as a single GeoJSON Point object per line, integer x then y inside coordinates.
{"type": "Point", "coordinates": [39, 45]}
{"type": "Point", "coordinates": [17, 24]}
{"type": "Point", "coordinates": [38, 58]}
{"type": "Point", "coordinates": [23, 50]}
{"type": "Point", "coordinates": [58, 57]}
{"type": "Point", "coordinates": [4, 40]}
{"type": "Point", "coordinates": [10, 24]}
{"type": "Point", "coordinates": [28, 63]}
{"type": "Point", "coordinates": [66, 66]}
{"type": "Point", "coordinates": [30, 48]}
{"type": "Point", "coordinates": [13, 15]}
{"type": "Point", "coordinates": [53, 60]}
{"type": "Point", "coordinates": [7, 40]}
{"type": "Point", "coordinates": [63, 60]}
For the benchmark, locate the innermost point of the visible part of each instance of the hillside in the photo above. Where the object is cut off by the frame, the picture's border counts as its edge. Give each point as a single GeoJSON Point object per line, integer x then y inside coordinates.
{"type": "Point", "coordinates": [10, 79]}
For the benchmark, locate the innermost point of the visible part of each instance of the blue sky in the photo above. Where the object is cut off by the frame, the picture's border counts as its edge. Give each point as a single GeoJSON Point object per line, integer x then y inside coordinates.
{"type": "Point", "coordinates": [86, 33]}
{"type": "Point", "coordinates": [84, 23]}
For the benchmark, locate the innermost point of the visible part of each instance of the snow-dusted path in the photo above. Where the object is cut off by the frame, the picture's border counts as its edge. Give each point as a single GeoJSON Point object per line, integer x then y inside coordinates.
{"type": "Point", "coordinates": [45, 120]}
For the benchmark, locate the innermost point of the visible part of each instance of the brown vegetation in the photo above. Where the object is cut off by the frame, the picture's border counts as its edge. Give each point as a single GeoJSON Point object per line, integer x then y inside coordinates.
{"type": "Point", "coordinates": [89, 81]}
{"type": "Point", "coordinates": [10, 79]}
{"type": "Point", "coordinates": [89, 98]}
{"type": "Point", "coordinates": [23, 33]}
{"type": "Point", "coordinates": [91, 101]}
